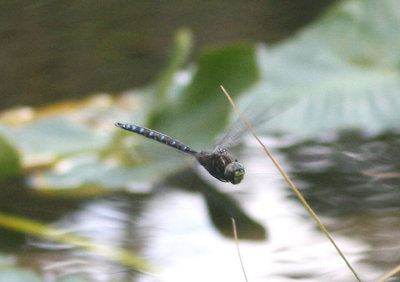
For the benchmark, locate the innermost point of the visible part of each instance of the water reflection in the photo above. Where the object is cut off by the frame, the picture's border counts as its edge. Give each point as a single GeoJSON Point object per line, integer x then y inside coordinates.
{"type": "Point", "coordinates": [221, 207]}
{"type": "Point", "coordinates": [295, 249]}
{"type": "Point", "coordinates": [171, 226]}
{"type": "Point", "coordinates": [356, 203]}
{"type": "Point", "coordinates": [110, 220]}
{"type": "Point", "coordinates": [333, 175]}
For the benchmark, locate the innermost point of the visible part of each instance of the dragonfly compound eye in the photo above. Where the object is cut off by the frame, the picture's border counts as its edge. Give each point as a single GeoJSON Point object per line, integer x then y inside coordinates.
{"type": "Point", "coordinates": [234, 172]}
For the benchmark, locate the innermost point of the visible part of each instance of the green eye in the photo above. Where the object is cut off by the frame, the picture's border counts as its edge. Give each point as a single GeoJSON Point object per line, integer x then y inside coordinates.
{"type": "Point", "coordinates": [234, 172]}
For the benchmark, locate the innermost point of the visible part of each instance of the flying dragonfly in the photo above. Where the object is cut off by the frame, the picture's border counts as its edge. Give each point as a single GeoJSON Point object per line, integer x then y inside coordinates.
{"type": "Point", "coordinates": [219, 162]}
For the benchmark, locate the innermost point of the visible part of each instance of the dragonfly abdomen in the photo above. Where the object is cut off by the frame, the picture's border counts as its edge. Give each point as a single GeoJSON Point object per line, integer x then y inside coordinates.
{"type": "Point", "coordinates": [157, 136]}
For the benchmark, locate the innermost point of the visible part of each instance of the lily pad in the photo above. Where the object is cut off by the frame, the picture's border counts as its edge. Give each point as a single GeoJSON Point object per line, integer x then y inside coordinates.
{"type": "Point", "coordinates": [341, 72]}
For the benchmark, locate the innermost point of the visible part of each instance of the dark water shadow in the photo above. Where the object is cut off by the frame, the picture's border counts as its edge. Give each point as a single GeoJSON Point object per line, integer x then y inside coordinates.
{"type": "Point", "coordinates": [337, 179]}
{"type": "Point", "coordinates": [221, 207]}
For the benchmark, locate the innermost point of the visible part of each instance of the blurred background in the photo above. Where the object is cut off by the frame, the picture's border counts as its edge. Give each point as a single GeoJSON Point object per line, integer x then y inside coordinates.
{"type": "Point", "coordinates": [54, 50]}
{"type": "Point", "coordinates": [327, 70]}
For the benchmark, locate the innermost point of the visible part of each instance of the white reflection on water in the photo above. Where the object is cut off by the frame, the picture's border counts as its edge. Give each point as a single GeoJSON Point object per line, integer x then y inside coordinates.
{"type": "Point", "coordinates": [171, 228]}
{"type": "Point", "coordinates": [186, 247]}
{"type": "Point", "coordinates": [101, 220]}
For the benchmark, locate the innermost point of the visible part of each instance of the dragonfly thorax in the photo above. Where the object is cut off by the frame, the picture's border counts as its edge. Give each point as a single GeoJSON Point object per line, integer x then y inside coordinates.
{"type": "Point", "coordinates": [220, 164]}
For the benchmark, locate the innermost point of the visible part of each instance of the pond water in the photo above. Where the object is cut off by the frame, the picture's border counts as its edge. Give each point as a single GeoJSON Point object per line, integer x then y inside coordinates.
{"type": "Point", "coordinates": [181, 232]}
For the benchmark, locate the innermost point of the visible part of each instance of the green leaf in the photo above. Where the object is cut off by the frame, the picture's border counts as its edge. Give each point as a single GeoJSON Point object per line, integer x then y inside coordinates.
{"type": "Point", "coordinates": [10, 165]}
{"type": "Point", "coordinates": [53, 137]}
{"type": "Point", "coordinates": [183, 41]}
{"type": "Point", "coordinates": [200, 112]}
{"type": "Point", "coordinates": [362, 32]}
{"type": "Point", "coordinates": [181, 49]}
{"type": "Point", "coordinates": [91, 175]}
{"type": "Point", "coordinates": [341, 72]}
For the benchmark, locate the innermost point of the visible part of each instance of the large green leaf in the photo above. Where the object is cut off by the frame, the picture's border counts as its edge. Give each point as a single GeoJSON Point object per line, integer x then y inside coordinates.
{"type": "Point", "coordinates": [341, 72]}
{"type": "Point", "coordinates": [55, 136]}
{"type": "Point", "coordinates": [363, 32]}
{"type": "Point", "coordinates": [200, 111]}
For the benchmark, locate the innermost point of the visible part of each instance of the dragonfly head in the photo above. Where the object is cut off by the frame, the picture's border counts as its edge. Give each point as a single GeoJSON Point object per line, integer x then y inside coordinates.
{"type": "Point", "coordinates": [234, 172]}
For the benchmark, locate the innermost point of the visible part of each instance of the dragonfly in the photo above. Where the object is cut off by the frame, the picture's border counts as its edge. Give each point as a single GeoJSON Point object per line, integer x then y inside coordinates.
{"type": "Point", "coordinates": [219, 162]}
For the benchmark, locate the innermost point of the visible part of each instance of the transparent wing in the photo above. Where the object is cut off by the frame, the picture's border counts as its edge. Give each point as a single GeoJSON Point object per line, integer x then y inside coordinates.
{"type": "Point", "coordinates": [257, 115]}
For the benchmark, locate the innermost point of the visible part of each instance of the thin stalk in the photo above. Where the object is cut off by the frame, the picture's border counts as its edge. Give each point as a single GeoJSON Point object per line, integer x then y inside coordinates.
{"type": "Point", "coordinates": [291, 184]}
{"type": "Point", "coordinates": [237, 247]}
{"type": "Point", "coordinates": [390, 274]}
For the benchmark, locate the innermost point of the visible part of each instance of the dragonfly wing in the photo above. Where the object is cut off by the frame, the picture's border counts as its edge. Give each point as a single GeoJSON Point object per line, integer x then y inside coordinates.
{"type": "Point", "coordinates": [231, 137]}
{"type": "Point", "coordinates": [256, 116]}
